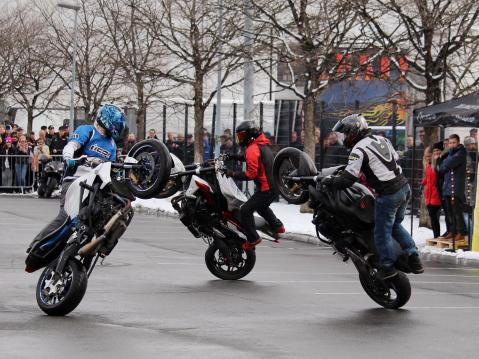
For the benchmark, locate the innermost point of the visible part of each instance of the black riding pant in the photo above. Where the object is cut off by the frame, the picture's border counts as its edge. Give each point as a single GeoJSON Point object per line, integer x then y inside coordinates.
{"type": "Point", "coordinates": [260, 203]}
{"type": "Point", "coordinates": [58, 220]}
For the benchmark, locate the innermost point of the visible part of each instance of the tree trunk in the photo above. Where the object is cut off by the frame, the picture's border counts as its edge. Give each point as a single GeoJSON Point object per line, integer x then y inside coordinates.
{"type": "Point", "coordinates": [309, 139]}
{"type": "Point", "coordinates": [424, 219]}
{"type": "Point", "coordinates": [309, 125]}
{"type": "Point", "coordinates": [199, 117]}
{"type": "Point", "coordinates": [29, 119]}
{"type": "Point", "coordinates": [140, 121]}
{"type": "Point", "coordinates": [433, 96]}
{"type": "Point", "coordinates": [140, 112]}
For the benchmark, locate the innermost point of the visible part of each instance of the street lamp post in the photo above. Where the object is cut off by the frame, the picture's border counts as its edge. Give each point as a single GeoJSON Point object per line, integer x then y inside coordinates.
{"type": "Point", "coordinates": [76, 8]}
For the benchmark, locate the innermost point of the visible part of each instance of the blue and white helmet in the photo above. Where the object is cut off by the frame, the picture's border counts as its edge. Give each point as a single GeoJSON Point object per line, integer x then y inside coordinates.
{"type": "Point", "coordinates": [113, 120]}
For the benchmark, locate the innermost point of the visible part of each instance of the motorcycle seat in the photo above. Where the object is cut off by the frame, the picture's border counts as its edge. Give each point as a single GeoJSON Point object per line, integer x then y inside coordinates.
{"type": "Point", "coordinates": [51, 238]}
{"type": "Point", "coordinates": [259, 222]}
{"type": "Point", "coordinates": [44, 250]}
{"type": "Point", "coordinates": [236, 214]}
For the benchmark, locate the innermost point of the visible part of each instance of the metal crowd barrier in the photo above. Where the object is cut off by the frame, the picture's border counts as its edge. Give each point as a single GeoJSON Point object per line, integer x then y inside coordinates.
{"type": "Point", "coordinates": [17, 174]}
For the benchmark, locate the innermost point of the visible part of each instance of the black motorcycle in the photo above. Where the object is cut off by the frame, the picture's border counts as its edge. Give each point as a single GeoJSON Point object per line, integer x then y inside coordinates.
{"type": "Point", "coordinates": [98, 205]}
{"type": "Point", "coordinates": [50, 178]}
{"type": "Point", "coordinates": [344, 220]}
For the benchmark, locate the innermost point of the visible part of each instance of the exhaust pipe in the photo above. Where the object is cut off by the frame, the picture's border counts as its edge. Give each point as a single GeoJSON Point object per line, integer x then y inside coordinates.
{"type": "Point", "coordinates": [94, 243]}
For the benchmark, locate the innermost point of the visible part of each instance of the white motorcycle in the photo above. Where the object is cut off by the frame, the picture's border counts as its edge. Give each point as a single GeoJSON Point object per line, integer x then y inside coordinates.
{"type": "Point", "coordinates": [98, 205]}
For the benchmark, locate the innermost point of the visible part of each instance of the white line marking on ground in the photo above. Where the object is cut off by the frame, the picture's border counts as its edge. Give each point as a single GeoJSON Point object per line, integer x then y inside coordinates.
{"type": "Point", "coordinates": [453, 268]}
{"type": "Point", "coordinates": [338, 293]}
{"type": "Point", "coordinates": [426, 282]}
{"type": "Point", "coordinates": [441, 308]}
{"type": "Point", "coordinates": [180, 264]}
{"type": "Point", "coordinates": [414, 293]}
{"type": "Point", "coordinates": [353, 281]}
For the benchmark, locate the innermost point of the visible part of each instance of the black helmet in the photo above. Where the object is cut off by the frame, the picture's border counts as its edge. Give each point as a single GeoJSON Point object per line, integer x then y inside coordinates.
{"type": "Point", "coordinates": [354, 127]}
{"type": "Point", "coordinates": [246, 132]}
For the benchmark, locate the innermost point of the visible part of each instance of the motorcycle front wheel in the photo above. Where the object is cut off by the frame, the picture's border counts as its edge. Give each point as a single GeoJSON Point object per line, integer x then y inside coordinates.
{"type": "Point", "coordinates": [241, 263]}
{"type": "Point", "coordinates": [287, 163]}
{"type": "Point", "coordinates": [391, 293]}
{"type": "Point", "coordinates": [58, 297]}
{"type": "Point", "coordinates": [147, 181]}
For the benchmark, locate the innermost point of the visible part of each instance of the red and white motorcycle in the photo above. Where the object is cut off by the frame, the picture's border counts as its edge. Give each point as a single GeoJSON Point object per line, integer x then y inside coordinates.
{"type": "Point", "coordinates": [209, 208]}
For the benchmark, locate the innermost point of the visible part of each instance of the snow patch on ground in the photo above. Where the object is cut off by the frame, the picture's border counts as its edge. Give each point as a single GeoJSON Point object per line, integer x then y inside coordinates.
{"type": "Point", "coordinates": [294, 221]}
{"type": "Point", "coordinates": [159, 204]}
{"type": "Point", "coordinates": [459, 255]}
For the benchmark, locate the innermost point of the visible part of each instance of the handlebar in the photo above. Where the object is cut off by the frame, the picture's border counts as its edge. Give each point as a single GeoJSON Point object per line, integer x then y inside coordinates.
{"type": "Point", "coordinates": [196, 171]}
{"type": "Point", "coordinates": [84, 161]}
{"type": "Point", "coordinates": [304, 179]}
{"type": "Point", "coordinates": [199, 168]}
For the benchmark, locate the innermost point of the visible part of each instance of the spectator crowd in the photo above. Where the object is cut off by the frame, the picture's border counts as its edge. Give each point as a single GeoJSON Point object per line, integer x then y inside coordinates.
{"type": "Point", "coordinates": [23, 156]}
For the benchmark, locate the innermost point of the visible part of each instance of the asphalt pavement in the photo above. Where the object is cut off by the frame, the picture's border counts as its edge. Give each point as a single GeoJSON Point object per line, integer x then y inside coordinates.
{"type": "Point", "coordinates": [154, 298]}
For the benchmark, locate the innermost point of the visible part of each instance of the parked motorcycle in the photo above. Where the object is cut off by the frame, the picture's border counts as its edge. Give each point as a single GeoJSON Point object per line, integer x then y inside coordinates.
{"type": "Point", "coordinates": [99, 210]}
{"type": "Point", "coordinates": [344, 220]}
{"type": "Point", "coordinates": [50, 178]}
{"type": "Point", "coordinates": [209, 208]}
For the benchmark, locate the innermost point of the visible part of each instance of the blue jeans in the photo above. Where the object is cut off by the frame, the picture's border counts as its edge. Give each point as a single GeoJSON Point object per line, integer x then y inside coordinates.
{"type": "Point", "coordinates": [389, 213]}
{"type": "Point", "coordinates": [21, 174]}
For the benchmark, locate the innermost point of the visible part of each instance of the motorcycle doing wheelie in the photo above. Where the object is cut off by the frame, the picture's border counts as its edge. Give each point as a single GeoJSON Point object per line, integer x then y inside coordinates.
{"type": "Point", "coordinates": [209, 208]}
{"type": "Point", "coordinates": [98, 205]}
{"type": "Point", "coordinates": [344, 220]}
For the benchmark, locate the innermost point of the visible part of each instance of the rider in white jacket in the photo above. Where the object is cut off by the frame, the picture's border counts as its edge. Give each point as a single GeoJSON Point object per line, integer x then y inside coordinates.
{"type": "Point", "coordinates": [375, 157]}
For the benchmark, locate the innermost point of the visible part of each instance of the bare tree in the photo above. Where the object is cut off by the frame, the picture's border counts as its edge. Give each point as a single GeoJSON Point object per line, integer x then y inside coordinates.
{"type": "Point", "coordinates": [136, 51]}
{"type": "Point", "coordinates": [187, 30]}
{"type": "Point", "coordinates": [6, 50]}
{"type": "Point", "coordinates": [430, 35]}
{"type": "Point", "coordinates": [463, 72]}
{"type": "Point", "coordinates": [96, 63]}
{"type": "Point", "coordinates": [35, 85]}
{"type": "Point", "coordinates": [306, 37]}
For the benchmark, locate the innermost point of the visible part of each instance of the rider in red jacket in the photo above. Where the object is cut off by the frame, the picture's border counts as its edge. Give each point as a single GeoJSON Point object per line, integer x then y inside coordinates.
{"type": "Point", "coordinates": [259, 168]}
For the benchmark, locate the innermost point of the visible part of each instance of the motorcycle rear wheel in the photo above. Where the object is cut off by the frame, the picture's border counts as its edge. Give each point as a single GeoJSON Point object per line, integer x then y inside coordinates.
{"type": "Point", "coordinates": [391, 294]}
{"type": "Point", "coordinates": [218, 265]}
{"type": "Point", "coordinates": [72, 288]}
{"type": "Point", "coordinates": [51, 185]}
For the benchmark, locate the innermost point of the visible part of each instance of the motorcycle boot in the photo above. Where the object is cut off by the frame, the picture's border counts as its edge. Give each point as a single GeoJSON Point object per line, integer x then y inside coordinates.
{"type": "Point", "coordinates": [415, 264]}
{"type": "Point", "coordinates": [275, 231]}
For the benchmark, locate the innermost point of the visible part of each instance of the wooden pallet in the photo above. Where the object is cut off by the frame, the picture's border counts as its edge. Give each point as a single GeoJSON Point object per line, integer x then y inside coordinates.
{"type": "Point", "coordinates": [442, 243]}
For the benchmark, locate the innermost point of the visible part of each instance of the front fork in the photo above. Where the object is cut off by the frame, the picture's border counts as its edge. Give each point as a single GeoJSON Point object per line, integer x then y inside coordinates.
{"type": "Point", "coordinates": [71, 250]}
